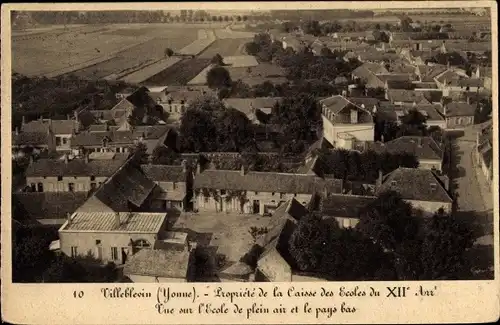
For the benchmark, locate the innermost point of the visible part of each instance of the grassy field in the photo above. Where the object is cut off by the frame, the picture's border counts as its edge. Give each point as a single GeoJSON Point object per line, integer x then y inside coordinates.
{"type": "Point", "coordinates": [137, 56]}
{"type": "Point", "coordinates": [178, 74]}
{"type": "Point", "coordinates": [104, 49]}
{"type": "Point", "coordinates": [225, 47]}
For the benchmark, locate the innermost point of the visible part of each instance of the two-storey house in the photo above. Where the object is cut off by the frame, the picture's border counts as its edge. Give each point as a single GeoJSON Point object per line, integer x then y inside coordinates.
{"type": "Point", "coordinates": [70, 175]}
{"type": "Point", "coordinates": [173, 185]}
{"type": "Point", "coordinates": [345, 123]}
{"type": "Point", "coordinates": [256, 192]}
{"type": "Point", "coordinates": [121, 141]}
{"type": "Point", "coordinates": [425, 149]}
{"type": "Point", "coordinates": [111, 236]}
{"type": "Point", "coordinates": [423, 188]}
{"type": "Point", "coordinates": [62, 131]}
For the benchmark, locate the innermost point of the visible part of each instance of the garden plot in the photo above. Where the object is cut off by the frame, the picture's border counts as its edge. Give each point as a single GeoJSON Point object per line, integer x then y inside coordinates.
{"type": "Point", "coordinates": [178, 74]}
{"type": "Point", "coordinates": [150, 70]}
{"type": "Point", "coordinates": [198, 45]}
{"type": "Point", "coordinates": [201, 78]}
{"type": "Point", "coordinates": [225, 47]}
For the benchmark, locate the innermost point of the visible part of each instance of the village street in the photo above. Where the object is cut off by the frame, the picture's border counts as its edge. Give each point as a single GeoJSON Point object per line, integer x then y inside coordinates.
{"type": "Point", "coordinates": [474, 198]}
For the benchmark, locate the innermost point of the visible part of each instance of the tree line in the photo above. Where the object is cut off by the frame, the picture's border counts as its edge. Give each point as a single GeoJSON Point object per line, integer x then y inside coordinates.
{"type": "Point", "coordinates": [392, 241]}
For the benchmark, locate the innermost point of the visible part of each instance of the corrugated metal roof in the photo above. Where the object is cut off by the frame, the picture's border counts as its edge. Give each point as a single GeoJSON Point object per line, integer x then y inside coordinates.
{"type": "Point", "coordinates": [106, 222]}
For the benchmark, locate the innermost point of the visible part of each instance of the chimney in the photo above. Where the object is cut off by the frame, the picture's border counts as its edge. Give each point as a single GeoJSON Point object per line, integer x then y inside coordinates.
{"type": "Point", "coordinates": [17, 130]}
{"type": "Point", "coordinates": [68, 217]}
{"type": "Point", "coordinates": [67, 117]}
{"type": "Point", "coordinates": [419, 141]}
{"type": "Point", "coordinates": [184, 166]}
{"type": "Point", "coordinates": [344, 93]}
{"type": "Point", "coordinates": [468, 100]}
{"type": "Point", "coordinates": [87, 158]}
{"type": "Point", "coordinates": [31, 159]}
{"type": "Point", "coordinates": [380, 177]}
{"type": "Point", "coordinates": [117, 220]}
{"type": "Point", "coordinates": [242, 170]}
{"type": "Point", "coordinates": [66, 159]}
{"type": "Point", "coordinates": [198, 168]}
{"type": "Point", "coordinates": [23, 121]}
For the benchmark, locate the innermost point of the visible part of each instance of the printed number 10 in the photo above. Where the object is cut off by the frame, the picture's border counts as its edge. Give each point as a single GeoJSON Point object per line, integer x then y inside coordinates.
{"type": "Point", "coordinates": [78, 294]}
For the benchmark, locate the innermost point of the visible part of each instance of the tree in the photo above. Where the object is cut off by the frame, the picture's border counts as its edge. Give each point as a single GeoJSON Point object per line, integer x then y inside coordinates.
{"type": "Point", "coordinates": [244, 18]}
{"type": "Point", "coordinates": [444, 243]}
{"type": "Point", "coordinates": [30, 253]}
{"type": "Point", "coordinates": [388, 221]}
{"type": "Point", "coordinates": [169, 52]}
{"type": "Point", "coordinates": [218, 77]}
{"type": "Point", "coordinates": [320, 246]}
{"type": "Point", "coordinates": [307, 242]}
{"type": "Point", "coordinates": [413, 123]}
{"type": "Point", "coordinates": [325, 51]}
{"type": "Point", "coordinates": [163, 155]}
{"type": "Point", "coordinates": [238, 18]}
{"type": "Point", "coordinates": [139, 153]}
{"type": "Point", "coordinates": [217, 60]}
{"type": "Point", "coordinates": [252, 48]}
{"type": "Point", "coordinates": [234, 131]}
{"type": "Point", "coordinates": [197, 131]}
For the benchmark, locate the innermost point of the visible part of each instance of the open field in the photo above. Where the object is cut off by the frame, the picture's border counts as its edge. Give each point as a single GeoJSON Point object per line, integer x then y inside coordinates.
{"type": "Point", "coordinates": [178, 74]}
{"type": "Point", "coordinates": [91, 49]}
{"type": "Point", "coordinates": [241, 61]}
{"type": "Point", "coordinates": [136, 56]}
{"type": "Point", "coordinates": [225, 47]}
{"type": "Point", "coordinates": [232, 33]}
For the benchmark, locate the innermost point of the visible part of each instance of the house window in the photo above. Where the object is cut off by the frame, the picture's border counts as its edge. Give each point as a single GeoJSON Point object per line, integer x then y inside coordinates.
{"type": "Point", "coordinates": [141, 244]}
{"type": "Point", "coordinates": [40, 187]}
{"type": "Point", "coordinates": [93, 186]}
{"type": "Point", "coordinates": [33, 187]}
{"type": "Point", "coordinates": [222, 192]}
{"type": "Point", "coordinates": [71, 187]}
{"type": "Point", "coordinates": [74, 251]}
{"type": "Point", "coordinates": [205, 199]}
{"type": "Point", "coordinates": [92, 178]}
{"type": "Point", "coordinates": [59, 178]}
{"type": "Point", "coordinates": [174, 185]}
{"type": "Point", "coordinates": [393, 183]}
{"type": "Point", "coordinates": [282, 195]}
{"type": "Point", "coordinates": [272, 193]}
{"type": "Point", "coordinates": [64, 141]}
{"type": "Point", "coordinates": [256, 193]}
{"type": "Point", "coordinates": [58, 141]}
{"type": "Point", "coordinates": [114, 253]}
{"type": "Point", "coordinates": [98, 242]}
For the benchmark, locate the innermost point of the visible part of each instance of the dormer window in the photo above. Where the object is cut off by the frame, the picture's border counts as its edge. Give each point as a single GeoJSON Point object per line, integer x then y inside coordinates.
{"type": "Point", "coordinates": [433, 186]}
{"type": "Point", "coordinates": [393, 183]}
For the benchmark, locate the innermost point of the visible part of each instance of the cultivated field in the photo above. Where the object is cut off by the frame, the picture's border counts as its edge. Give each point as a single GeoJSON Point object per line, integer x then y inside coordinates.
{"type": "Point", "coordinates": [201, 78]}
{"type": "Point", "coordinates": [101, 50]}
{"type": "Point", "coordinates": [225, 47]}
{"type": "Point", "coordinates": [137, 56]}
{"type": "Point", "coordinates": [150, 70]}
{"type": "Point", "coordinates": [179, 74]}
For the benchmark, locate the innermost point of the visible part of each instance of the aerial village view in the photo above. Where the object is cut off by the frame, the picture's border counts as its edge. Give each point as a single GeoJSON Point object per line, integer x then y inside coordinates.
{"type": "Point", "coordinates": [252, 146]}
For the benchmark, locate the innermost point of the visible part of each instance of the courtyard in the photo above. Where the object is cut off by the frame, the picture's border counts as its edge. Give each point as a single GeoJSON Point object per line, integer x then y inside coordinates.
{"type": "Point", "coordinates": [227, 233]}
